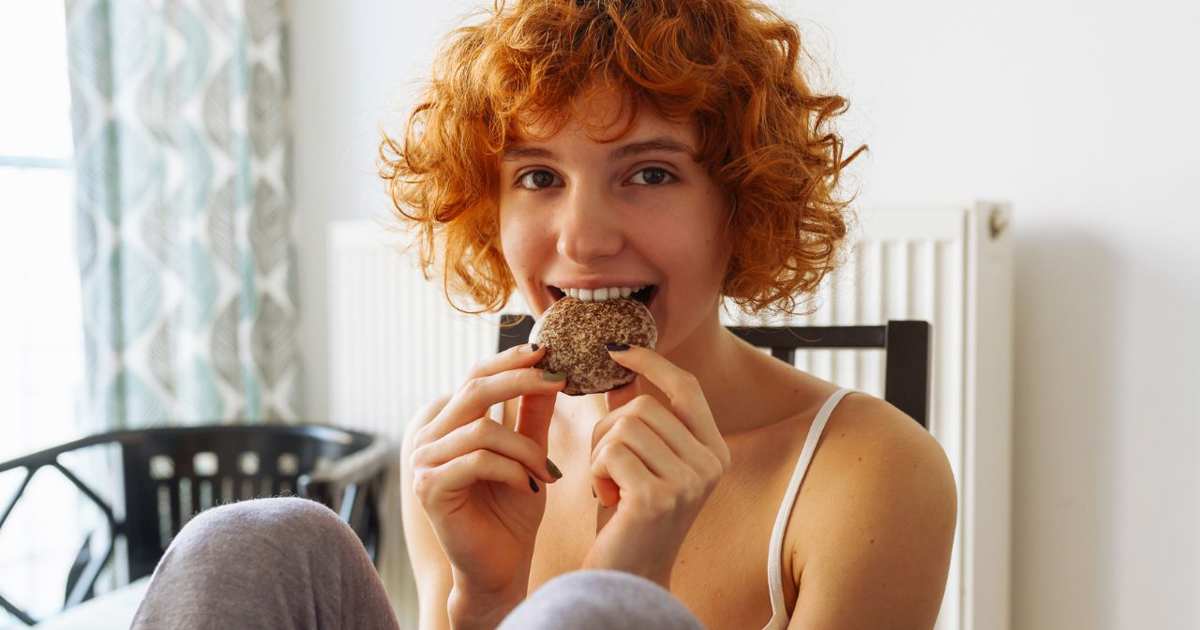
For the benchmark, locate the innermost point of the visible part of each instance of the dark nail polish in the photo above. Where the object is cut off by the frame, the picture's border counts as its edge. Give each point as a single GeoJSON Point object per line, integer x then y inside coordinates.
{"type": "Point", "coordinates": [533, 484]}
{"type": "Point", "coordinates": [533, 347]}
{"type": "Point", "coordinates": [553, 469]}
{"type": "Point", "coordinates": [616, 347]}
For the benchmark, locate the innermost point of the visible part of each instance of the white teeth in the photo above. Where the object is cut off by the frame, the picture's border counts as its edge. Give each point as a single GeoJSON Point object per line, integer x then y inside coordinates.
{"type": "Point", "coordinates": [603, 293]}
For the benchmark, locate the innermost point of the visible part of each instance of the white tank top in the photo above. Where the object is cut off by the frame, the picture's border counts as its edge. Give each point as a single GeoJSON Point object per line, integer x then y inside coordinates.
{"type": "Point", "coordinates": [775, 577]}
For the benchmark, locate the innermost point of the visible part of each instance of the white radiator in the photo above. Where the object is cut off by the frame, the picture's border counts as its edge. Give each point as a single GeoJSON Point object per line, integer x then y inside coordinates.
{"type": "Point", "coordinates": [395, 344]}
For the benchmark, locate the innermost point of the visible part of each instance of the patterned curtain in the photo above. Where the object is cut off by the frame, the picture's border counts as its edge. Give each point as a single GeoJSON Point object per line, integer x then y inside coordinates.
{"type": "Point", "coordinates": [182, 158]}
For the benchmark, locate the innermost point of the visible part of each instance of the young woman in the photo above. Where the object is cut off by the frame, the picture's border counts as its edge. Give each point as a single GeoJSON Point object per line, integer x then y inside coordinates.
{"type": "Point", "coordinates": [579, 146]}
{"type": "Point", "coordinates": [589, 147]}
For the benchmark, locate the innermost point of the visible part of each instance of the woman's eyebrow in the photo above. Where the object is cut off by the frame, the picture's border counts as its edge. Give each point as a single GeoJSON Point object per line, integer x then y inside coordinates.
{"type": "Point", "coordinates": [517, 152]}
{"type": "Point", "coordinates": [660, 143]}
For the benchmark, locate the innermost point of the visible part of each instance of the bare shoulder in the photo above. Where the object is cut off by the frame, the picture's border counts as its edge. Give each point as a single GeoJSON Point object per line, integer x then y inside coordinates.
{"type": "Point", "coordinates": [867, 437]}
{"type": "Point", "coordinates": [879, 505]}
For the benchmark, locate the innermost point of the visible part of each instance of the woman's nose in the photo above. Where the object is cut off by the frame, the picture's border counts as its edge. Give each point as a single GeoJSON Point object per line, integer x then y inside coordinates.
{"type": "Point", "coordinates": [589, 228]}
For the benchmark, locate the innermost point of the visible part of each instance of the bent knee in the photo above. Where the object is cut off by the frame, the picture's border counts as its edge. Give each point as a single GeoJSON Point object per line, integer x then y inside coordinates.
{"type": "Point", "coordinates": [603, 599]}
{"type": "Point", "coordinates": [291, 521]}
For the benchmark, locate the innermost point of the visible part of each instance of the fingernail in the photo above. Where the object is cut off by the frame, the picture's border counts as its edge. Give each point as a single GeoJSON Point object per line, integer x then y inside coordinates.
{"type": "Point", "coordinates": [533, 484]}
{"type": "Point", "coordinates": [533, 347]}
{"type": "Point", "coordinates": [593, 493]}
{"type": "Point", "coordinates": [553, 469]}
{"type": "Point", "coordinates": [553, 376]}
{"type": "Point", "coordinates": [616, 347]}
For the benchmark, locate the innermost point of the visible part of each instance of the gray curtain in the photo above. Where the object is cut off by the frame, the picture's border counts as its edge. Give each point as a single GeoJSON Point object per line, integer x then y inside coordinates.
{"type": "Point", "coordinates": [188, 272]}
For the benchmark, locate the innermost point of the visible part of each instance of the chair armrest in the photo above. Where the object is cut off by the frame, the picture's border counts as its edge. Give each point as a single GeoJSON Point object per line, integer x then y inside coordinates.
{"type": "Point", "coordinates": [49, 455]}
{"type": "Point", "coordinates": [81, 583]}
{"type": "Point", "coordinates": [351, 487]}
{"type": "Point", "coordinates": [34, 462]}
{"type": "Point", "coordinates": [357, 467]}
{"type": "Point", "coordinates": [327, 482]}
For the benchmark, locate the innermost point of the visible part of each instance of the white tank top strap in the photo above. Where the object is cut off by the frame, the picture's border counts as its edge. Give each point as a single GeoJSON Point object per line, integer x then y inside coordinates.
{"type": "Point", "coordinates": [779, 615]}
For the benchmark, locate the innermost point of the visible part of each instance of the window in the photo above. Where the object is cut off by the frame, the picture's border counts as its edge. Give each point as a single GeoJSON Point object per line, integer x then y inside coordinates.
{"type": "Point", "coordinates": [41, 346]}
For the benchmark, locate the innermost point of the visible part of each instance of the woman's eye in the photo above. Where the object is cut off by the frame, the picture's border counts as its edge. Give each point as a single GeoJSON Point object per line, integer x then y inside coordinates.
{"type": "Point", "coordinates": [536, 180]}
{"type": "Point", "coordinates": [652, 176]}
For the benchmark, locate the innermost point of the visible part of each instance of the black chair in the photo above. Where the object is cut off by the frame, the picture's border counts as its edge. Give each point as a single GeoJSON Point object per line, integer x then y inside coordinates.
{"type": "Point", "coordinates": [905, 343]}
{"type": "Point", "coordinates": [170, 474]}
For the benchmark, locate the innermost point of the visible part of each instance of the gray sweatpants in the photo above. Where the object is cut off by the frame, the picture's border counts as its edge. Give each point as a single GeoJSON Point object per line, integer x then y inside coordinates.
{"type": "Point", "coordinates": [291, 563]}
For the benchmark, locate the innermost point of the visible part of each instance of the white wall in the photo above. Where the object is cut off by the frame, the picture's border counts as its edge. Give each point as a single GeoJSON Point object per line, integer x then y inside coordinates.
{"type": "Point", "coordinates": [1080, 113]}
{"type": "Point", "coordinates": [355, 66]}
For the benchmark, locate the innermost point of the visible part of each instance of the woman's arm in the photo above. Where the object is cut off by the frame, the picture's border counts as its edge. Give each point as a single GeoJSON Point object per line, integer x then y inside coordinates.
{"type": "Point", "coordinates": [877, 545]}
{"type": "Point", "coordinates": [441, 606]}
{"type": "Point", "coordinates": [431, 570]}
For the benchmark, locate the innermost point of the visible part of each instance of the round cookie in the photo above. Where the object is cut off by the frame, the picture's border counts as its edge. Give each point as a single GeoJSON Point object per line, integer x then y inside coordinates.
{"type": "Point", "coordinates": [574, 333]}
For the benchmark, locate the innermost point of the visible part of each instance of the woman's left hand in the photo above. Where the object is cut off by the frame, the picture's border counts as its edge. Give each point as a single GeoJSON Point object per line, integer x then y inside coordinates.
{"type": "Point", "coordinates": [653, 467]}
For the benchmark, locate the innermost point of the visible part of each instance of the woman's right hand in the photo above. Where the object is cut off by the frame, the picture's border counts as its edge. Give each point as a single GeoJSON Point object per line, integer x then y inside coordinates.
{"type": "Point", "coordinates": [475, 477]}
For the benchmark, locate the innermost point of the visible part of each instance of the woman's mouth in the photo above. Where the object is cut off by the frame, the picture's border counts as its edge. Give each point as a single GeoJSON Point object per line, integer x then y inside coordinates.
{"type": "Point", "coordinates": [644, 294]}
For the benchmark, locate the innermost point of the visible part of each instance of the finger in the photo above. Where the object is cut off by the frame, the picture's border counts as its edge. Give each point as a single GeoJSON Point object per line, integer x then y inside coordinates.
{"type": "Point", "coordinates": [606, 491]}
{"type": "Point", "coordinates": [487, 435]}
{"type": "Point", "coordinates": [681, 388]}
{"type": "Point", "coordinates": [616, 462]}
{"type": "Point", "coordinates": [520, 356]}
{"type": "Point", "coordinates": [665, 425]}
{"type": "Point", "coordinates": [648, 446]}
{"type": "Point", "coordinates": [460, 473]}
{"type": "Point", "coordinates": [533, 417]}
{"type": "Point", "coordinates": [524, 355]}
{"type": "Point", "coordinates": [475, 397]}
{"type": "Point", "coordinates": [615, 398]}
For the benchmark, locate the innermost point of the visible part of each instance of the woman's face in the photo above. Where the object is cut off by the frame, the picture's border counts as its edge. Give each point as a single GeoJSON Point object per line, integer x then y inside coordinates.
{"type": "Point", "coordinates": [578, 213]}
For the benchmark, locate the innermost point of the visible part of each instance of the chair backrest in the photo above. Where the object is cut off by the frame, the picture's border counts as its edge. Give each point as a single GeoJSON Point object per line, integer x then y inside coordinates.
{"type": "Point", "coordinates": [173, 473]}
{"type": "Point", "coordinates": [905, 344]}
{"type": "Point", "coordinates": [170, 474]}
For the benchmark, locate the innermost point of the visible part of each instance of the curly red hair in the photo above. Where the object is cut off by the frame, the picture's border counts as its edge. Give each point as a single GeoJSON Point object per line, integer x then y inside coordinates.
{"type": "Point", "coordinates": [729, 66]}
